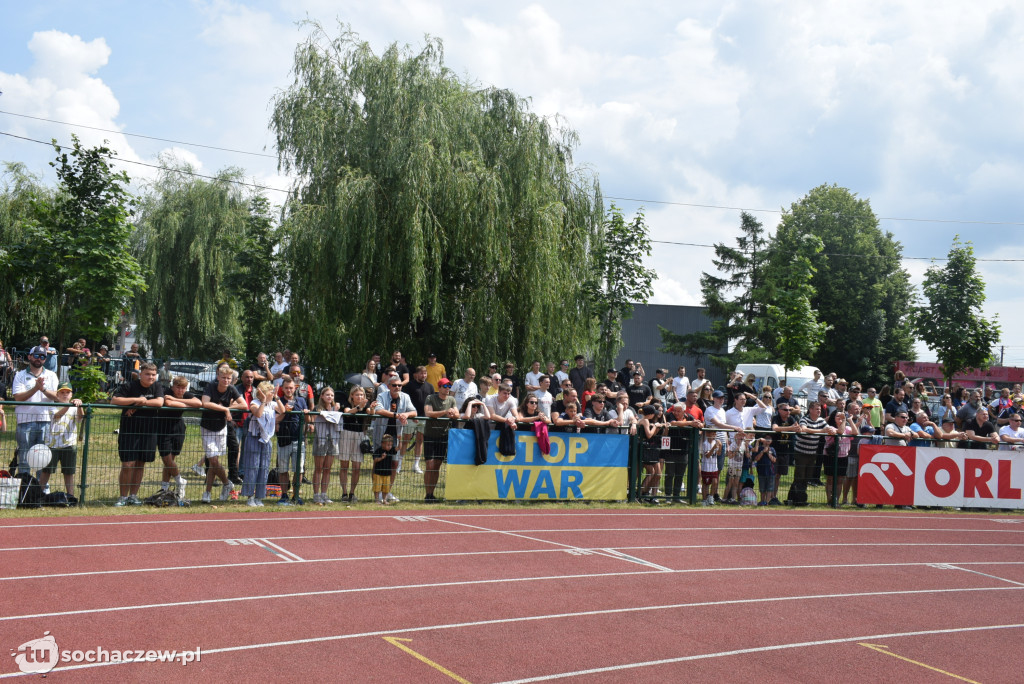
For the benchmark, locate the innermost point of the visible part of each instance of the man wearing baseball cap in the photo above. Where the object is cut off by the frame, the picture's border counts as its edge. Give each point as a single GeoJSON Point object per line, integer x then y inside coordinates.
{"type": "Point", "coordinates": [441, 412]}
{"type": "Point", "coordinates": [33, 385]}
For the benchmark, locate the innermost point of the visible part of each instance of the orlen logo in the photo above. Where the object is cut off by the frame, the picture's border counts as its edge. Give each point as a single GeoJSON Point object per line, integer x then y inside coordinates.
{"type": "Point", "coordinates": [38, 656]}
{"type": "Point", "coordinates": [887, 477]}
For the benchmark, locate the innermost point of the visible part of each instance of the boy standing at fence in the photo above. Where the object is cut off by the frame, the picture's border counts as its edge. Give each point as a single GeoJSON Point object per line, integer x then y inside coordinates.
{"type": "Point", "coordinates": [736, 452]}
{"type": "Point", "coordinates": [764, 459]}
{"type": "Point", "coordinates": [141, 398]}
{"type": "Point", "coordinates": [710, 448]}
{"type": "Point", "coordinates": [172, 431]}
{"type": "Point", "coordinates": [382, 456]}
{"type": "Point", "coordinates": [63, 439]}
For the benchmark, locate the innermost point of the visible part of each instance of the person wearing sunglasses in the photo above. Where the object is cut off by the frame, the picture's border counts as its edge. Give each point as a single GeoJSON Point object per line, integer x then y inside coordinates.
{"type": "Point", "coordinates": [530, 413]}
{"type": "Point", "coordinates": [33, 384]}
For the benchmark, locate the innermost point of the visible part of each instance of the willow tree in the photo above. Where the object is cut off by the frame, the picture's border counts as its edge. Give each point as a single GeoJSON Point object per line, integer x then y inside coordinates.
{"type": "Point", "coordinates": [190, 231]}
{"type": "Point", "coordinates": [21, 314]}
{"type": "Point", "coordinates": [430, 212]}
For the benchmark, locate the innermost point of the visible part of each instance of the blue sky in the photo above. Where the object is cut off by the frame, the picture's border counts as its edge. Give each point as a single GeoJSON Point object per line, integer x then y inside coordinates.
{"type": "Point", "coordinates": [914, 105]}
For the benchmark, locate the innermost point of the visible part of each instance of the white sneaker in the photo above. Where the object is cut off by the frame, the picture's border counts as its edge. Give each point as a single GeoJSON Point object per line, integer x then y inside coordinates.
{"type": "Point", "coordinates": [259, 502]}
{"type": "Point", "coordinates": [199, 470]}
{"type": "Point", "coordinates": [225, 491]}
{"type": "Point", "coordinates": [316, 498]}
{"type": "Point", "coordinates": [391, 498]}
{"type": "Point", "coordinates": [206, 497]}
{"type": "Point", "coordinates": [324, 500]}
{"type": "Point", "coordinates": [252, 502]}
{"type": "Point", "coordinates": [181, 487]}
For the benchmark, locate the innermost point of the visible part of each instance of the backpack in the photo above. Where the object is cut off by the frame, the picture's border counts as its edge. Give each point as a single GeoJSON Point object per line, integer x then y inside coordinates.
{"type": "Point", "coordinates": [58, 500]}
{"type": "Point", "coordinates": [164, 498]}
{"type": "Point", "coordinates": [30, 494]}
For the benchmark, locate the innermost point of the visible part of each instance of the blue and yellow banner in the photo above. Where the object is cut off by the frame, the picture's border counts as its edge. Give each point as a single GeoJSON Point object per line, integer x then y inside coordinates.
{"type": "Point", "coordinates": [578, 467]}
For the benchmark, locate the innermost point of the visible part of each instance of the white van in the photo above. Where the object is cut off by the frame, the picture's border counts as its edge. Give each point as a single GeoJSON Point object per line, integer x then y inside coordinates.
{"type": "Point", "coordinates": [774, 375]}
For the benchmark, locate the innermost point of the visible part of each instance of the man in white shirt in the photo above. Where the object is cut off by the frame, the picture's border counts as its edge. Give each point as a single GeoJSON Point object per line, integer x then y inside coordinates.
{"type": "Point", "coordinates": [503, 406]}
{"type": "Point", "coordinates": [533, 377]}
{"type": "Point", "coordinates": [812, 387]}
{"type": "Point", "coordinates": [33, 385]}
{"type": "Point", "coordinates": [279, 369]}
{"type": "Point", "coordinates": [464, 387]}
{"type": "Point", "coordinates": [562, 374]}
{"type": "Point", "coordinates": [544, 398]}
{"type": "Point", "coordinates": [681, 383]}
{"type": "Point", "coordinates": [1011, 436]}
{"type": "Point", "coordinates": [740, 415]}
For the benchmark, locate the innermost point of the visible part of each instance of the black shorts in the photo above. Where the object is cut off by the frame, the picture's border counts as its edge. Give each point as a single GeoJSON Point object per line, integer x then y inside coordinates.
{"type": "Point", "coordinates": [436, 449]}
{"type": "Point", "coordinates": [651, 455]}
{"type": "Point", "coordinates": [170, 444]}
{"type": "Point", "coordinates": [840, 468]}
{"type": "Point", "coordinates": [782, 461]}
{"type": "Point", "coordinates": [136, 447]}
{"type": "Point", "coordinates": [65, 457]}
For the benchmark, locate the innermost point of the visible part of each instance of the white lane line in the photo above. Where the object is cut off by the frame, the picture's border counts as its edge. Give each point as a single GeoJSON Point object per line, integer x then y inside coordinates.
{"type": "Point", "coordinates": [757, 649]}
{"type": "Point", "coordinates": [985, 574]}
{"type": "Point", "coordinates": [556, 616]}
{"type": "Point", "coordinates": [359, 590]}
{"type": "Point", "coordinates": [288, 554]}
{"type": "Point", "coordinates": [577, 551]}
{"type": "Point", "coordinates": [634, 559]}
{"type": "Point", "coordinates": [224, 539]}
{"type": "Point", "coordinates": [477, 529]}
{"type": "Point", "coordinates": [608, 553]}
{"type": "Point", "coordinates": [948, 516]}
{"type": "Point", "coordinates": [511, 533]}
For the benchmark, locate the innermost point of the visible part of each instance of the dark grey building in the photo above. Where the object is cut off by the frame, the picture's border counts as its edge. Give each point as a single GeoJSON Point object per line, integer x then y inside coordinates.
{"type": "Point", "coordinates": [643, 339]}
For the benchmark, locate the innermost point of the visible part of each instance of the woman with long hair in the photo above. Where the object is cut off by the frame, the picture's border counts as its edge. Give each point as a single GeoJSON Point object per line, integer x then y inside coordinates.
{"type": "Point", "coordinates": [529, 412]}
{"type": "Point", "coordinates": [354, 420]}
{"type": "Point", "coordinates": [326, 445]}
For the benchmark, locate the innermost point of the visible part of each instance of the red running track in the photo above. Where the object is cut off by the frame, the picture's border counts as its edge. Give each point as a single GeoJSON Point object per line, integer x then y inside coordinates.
{"type": "Point", "coordinates": [495, 596]}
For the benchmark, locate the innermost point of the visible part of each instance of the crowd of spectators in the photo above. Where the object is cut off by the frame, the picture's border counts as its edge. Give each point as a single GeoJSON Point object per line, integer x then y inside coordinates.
{"type": "Point", "coordinates": [393, 408]}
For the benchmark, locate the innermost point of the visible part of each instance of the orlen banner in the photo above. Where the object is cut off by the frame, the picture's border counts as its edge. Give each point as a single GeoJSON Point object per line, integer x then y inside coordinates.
{"type": "Point", "coordinates": [912, 476]}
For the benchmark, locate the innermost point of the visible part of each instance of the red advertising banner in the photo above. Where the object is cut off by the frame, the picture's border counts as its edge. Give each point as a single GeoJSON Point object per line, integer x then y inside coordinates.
{"type": "Point", "coordinates": [1005, 375]}
{"type": "Point", "coordinates": [912, 476]}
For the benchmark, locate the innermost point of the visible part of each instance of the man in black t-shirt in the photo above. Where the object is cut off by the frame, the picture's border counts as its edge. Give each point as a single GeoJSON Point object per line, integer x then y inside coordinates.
{"type": "Point", "coordinates": [401, 369]}
{"type": "Point", "coordinates": [639, 393]}
{"type": "Point", "coordinates": [611, 381]}
{"type": "Point", "coordinates": [137, 434]}
{"type": "Point", "coordinates": [784, 424]}
{"type": "Point", "coordinates": [511, 378]}
{"type": "Point", "coordinates": [418, 390]}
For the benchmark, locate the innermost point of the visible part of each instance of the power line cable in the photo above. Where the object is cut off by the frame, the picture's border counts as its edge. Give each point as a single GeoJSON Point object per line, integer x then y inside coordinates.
{"type": "Point", "coordinates": [837, 254]}
{"type": "Point", "coordinates": [779, 211]}
{"type": "Point", "coordinates": [663, 242]}
{"type": "Point", "coordinates": [163, 168]}
{"type": "Point", "coordinates": [139, 135]}
{"type": "Point", "coordinates": [621, 199]}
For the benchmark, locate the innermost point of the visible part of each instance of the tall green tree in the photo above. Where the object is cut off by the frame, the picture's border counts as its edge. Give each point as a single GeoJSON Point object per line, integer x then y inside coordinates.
{"type": "Point", "coordinates": [623, 279]}
{"type": "Point", "coordinates": [860, 288]}
{"type": "Point", "coordinates": [792, 320]}
{"type": "Point", "coordinates": [21, 315]}
{"type": "Point", "coordinates": [952, 323]}
{"type": "Point", "coordinates": [431, 213]}
{"type": "Point", "coordinates": [736, 302]}
{"type": "Point", "coordinates": [76, 249]}
{"type": "Point", "coordinates": [191, 234]}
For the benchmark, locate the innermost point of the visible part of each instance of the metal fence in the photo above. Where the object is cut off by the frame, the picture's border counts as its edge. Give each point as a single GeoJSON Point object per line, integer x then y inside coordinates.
{"type": "Point", "coordinates": [113, 462]}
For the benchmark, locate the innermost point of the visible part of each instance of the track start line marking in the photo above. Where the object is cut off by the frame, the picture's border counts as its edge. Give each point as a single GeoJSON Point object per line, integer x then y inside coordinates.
{"type": "Point", "coordinates": [395, 641]}
{"type": "Point", "coordinates": [882, 648]}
